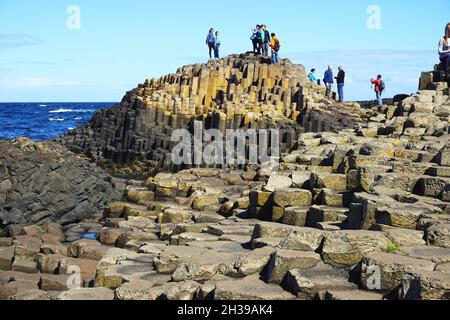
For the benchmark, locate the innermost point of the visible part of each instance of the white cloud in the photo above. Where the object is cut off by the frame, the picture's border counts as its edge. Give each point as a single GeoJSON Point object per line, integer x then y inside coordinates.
{"type": "Point", "coordinates": [18, 40]}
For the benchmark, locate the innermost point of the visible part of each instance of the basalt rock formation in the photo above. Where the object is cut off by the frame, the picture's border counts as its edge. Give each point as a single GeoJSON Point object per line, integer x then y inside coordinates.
{"type": "Point", "coordinates": [359, 214]}
{"type": "Point", "coordinates": [137, 132]}
{"type": "Point", "coordinates": [44, 182]}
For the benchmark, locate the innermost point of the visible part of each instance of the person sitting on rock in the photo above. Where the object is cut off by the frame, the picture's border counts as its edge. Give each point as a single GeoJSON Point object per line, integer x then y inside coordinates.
{"type": "Point", "coordinates": [275, 44]}
{"type": "Point", "coordinates": [379, 87]}
{"type": "Point", "coordinates": [216, 46]}
{"type": "Point", "coordinates": [313, 77]}
{"type": "Point", "coordinates": [444, 48]}
{"type": "Point", "coordinates": [328, 79]}
{"type": "Point", "coordinates": [210, 41]}
{"type": "Point", "coordinates": [233, 80]}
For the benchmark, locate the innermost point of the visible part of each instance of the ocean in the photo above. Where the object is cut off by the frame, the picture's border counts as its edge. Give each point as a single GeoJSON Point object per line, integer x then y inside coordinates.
{"type": "Point", "coordinates": [44, 121]}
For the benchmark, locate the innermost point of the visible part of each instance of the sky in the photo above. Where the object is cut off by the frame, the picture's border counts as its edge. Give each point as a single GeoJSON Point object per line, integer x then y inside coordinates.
{"type": "Point", "coordinates": [45, 57]}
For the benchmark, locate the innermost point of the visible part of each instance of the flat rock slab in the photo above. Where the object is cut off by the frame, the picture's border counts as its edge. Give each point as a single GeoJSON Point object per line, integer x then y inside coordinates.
{"type": "Point", "coordinates": [249, 288]}
{"type": "Point", "coordinates": [52, 282]}
{"type": "Point", "coordinates": [185, 238]}
{"type": "Point", "coordinates": [434, 254]}
{"type": "Point", "coordinates": [124, 271]}
{"type": "Point", "coordinates": [390, 268]}
{"type": "Point", "coordinates": [272, 230]}
{"type": "Point", "coordinates": [347, 248]}
{"type": "Point", "coordinates": [284, 260]}
{"type": "Point", "coordinates": [292, 198]}
{"type": "Point", "coordinates": [230, 247]}
{"type": "Point", "coordinates": [12, 288]}
{"type": "Point", "coordinates": [88, 294]}
{"type": "Point", "coordinates": [24, 266]}
{"type": "Point", "coordinates": [303, 239]}
{"type": "Point", "coordinates": [309, 284]}
{"type": "Point", "coordinates": [404, 237]}
{"type": "Point", "coordinates": [173, 258]}
{"type": "Point", "coordinates": [425, 285]}
{"type": "Point", "coordinates": [31, 295]}
{"type": "Point", "coordinates": [352, 295]}
{"type": "Point", "coordinates": [6, 258]}
{"type": "Point", "coordinates": [148, 291]}
{"type": "Point", "coordinates": [220, 230]}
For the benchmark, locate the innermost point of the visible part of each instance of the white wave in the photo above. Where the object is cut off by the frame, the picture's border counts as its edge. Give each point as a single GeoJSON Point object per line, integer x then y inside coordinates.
{"type": "Point", "coordinates": [61, 110]}
{"type": "Point", "coordinates": [56, 119]}
{"type": "Point", "coordinates": [43, 105]}
{"type": "Point", "coordinates": [78, 118]}
{"type": "Point", "coordinates": [71, 128]}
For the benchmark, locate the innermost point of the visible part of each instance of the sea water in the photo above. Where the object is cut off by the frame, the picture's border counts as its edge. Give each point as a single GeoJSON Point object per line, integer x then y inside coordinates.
{"type": "Point", "coordinates": [44, 121]}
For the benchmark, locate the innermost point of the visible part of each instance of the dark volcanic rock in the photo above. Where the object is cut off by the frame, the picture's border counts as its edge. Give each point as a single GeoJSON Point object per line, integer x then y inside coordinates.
{"type": "Point", "coordinates": [42, 182]}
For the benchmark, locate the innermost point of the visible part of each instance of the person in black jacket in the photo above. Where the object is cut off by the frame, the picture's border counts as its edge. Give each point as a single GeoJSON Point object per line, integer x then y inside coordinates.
{"type": "Point", "coordinates": [340, 79]}
{"type": "Point", "coordinates": [233, 80]}
{"type": "Point", "coordinates": [267, 40]}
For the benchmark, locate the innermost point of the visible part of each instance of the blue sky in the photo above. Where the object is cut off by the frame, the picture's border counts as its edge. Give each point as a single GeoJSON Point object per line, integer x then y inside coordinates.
{"type": "Point", "coordinates": [121, 43]}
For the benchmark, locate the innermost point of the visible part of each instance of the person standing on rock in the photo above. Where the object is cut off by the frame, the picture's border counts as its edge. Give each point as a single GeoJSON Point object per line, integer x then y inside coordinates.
{"type": "Point", "coordinates": [328, 79]}
{"type": "Point", "coordinates": [313, 77]}
{"type": "Point", "coordinates": [379, 88]}
{"type": "Point", "coordinates": [275, 44]}
{"type": "Point", "coordinates": [340, 79]}
{"type": "Point", "coordinates": [211, 41]}
{"type": "Point", "coordinates": [266, 40]}
{"type": "Point", "coordinates": [444, 48]}
{"type": "Point", "coordinates": [217, 46]}
{"type": "Point", "coordinates": [262, 40]}
{"type": "Point", "coordinates": [256, 36]}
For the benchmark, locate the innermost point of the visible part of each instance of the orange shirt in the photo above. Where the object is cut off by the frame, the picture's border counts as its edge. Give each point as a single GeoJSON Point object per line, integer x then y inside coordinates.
{"type": "Point", "coordinates": [272, 42]}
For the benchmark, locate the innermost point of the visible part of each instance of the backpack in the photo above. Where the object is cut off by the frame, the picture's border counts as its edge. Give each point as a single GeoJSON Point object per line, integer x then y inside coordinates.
{"type": "Point", "coordinates": [382, 86]}
{"type": "Point", "coordinates": [276, 47]}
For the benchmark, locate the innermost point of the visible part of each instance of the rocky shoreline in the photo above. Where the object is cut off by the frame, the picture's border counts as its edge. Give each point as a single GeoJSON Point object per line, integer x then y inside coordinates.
{"type": "Point", "coordinates": [359, 209]}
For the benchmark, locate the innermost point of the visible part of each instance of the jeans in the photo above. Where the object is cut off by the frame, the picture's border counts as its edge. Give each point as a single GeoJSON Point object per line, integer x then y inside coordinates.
{"type": "Point", "coordinates": [329, 89]}
{"type": "Point", "coordinates": [275, 58]}
{"type": "Point", "coordinates": [445, 59]}
{"type": "Point", "coordinates": [211, 48]}
{"type": "Point", "coordinates": [379, 98]}
{"type": "Point", "coordinates": [216, 52]}
{"type": "Point", "coordinates": [265, 49]}
{"type": "Point", "coordinates": [258, 46]}
{"type": "Point", "coordinates": [341, 92]}
{"type": "Point", "coordinates": [255, 46]}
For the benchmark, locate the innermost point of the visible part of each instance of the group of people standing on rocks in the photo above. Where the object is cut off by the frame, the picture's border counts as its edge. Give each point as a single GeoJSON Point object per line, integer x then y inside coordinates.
{"type": "Point", "coordinates": [329, 79]}
{"type": "Point", "coordinates": [262, 39]}
{"type": "Point", "coordinates": [213, 43]}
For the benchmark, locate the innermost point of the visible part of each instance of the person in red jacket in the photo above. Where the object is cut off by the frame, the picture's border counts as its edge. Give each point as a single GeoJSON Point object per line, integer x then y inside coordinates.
{"type": "Point", "coordinates": [379, 88]}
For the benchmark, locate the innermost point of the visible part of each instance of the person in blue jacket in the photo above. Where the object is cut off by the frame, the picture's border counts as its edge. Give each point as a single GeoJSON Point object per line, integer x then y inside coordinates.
{"type": "Point", "coordinates": [211, 41]}
{"type": "Point", "coordinates": [328, 80]}
{"type": "Point", "coordinates": [256, 35]}
{"type": "Point", "coordinates": [216, 45]}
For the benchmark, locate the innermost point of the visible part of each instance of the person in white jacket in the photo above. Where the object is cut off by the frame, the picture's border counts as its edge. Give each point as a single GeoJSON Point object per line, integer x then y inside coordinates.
{"type": "Point", "coordinates": [444, 48]}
